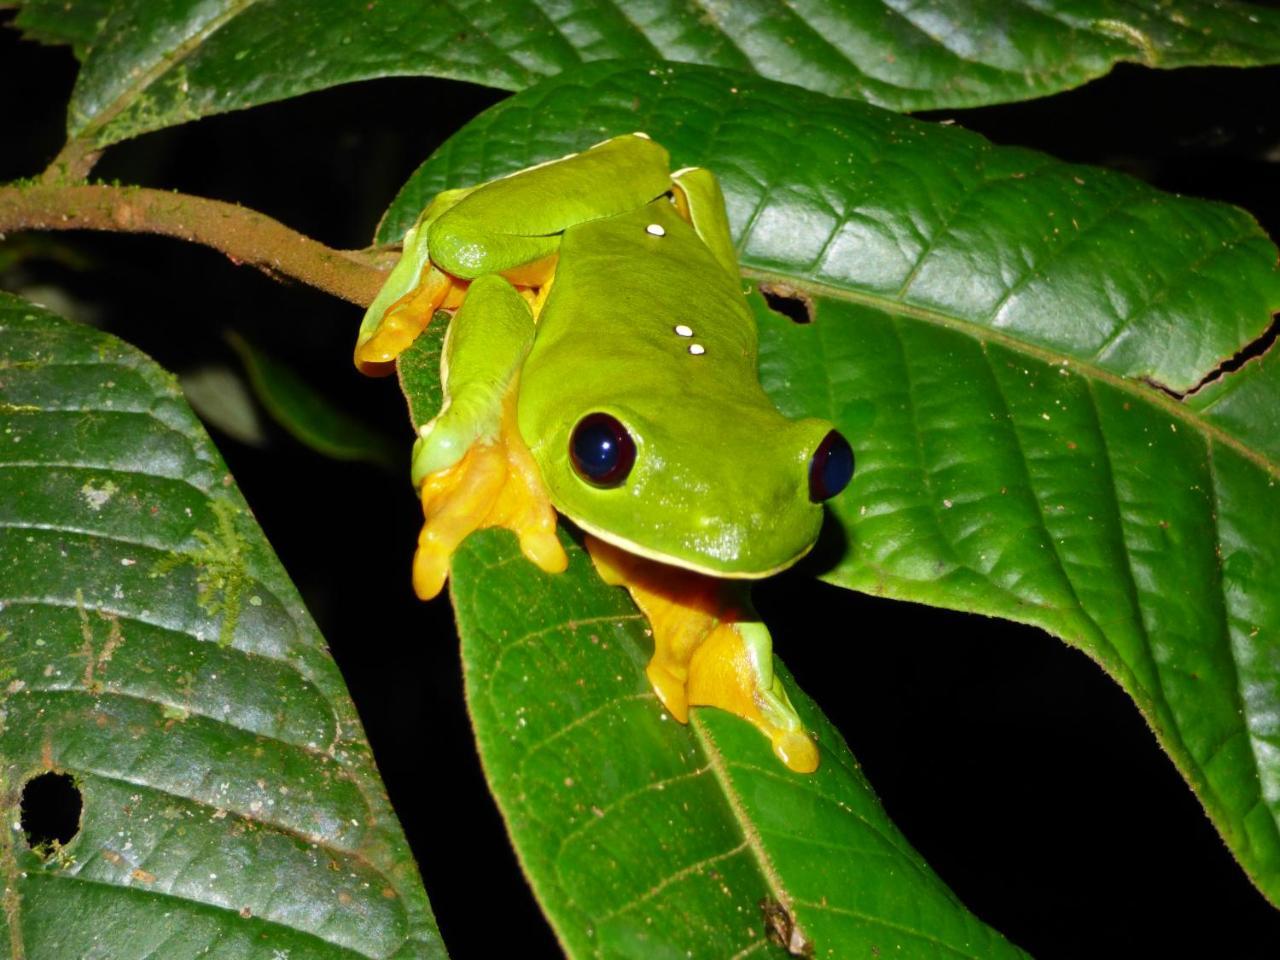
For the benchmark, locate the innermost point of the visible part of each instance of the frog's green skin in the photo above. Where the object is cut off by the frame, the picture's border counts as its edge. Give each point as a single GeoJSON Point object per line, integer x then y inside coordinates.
{"type": "Point", "coordinates": [720, 480]}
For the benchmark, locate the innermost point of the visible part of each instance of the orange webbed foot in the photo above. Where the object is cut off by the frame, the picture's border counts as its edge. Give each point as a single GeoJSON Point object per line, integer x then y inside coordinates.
{"type": "Point", "coordinates": [708, 649]}
{"type": "Point", "coordinates": [495, 484]}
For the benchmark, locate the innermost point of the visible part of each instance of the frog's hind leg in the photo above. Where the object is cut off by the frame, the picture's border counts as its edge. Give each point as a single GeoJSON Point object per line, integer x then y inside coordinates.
{"type": "Point", "coordinates": [709, 649]}
{"type": "Point", "coordinates": [470, 463]}
{"type": "Point", "coordinates": [697, 196]}
{"type": "Point", "coordinates": [509, 226]}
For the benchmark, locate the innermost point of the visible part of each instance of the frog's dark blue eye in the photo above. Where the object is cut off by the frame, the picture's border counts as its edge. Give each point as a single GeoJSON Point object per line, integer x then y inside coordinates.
{"type": "Point", "coordinates": [831, 468]}
{"type": "Point", "coordinates": [601, 450]}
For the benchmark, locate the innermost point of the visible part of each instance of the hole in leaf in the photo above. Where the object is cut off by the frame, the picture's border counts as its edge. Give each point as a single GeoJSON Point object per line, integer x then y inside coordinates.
{"type": "Point", "coordinates": [788, 301]}
{"type": "Point", "coordinates": [51, 805]}
{"type": "Point", "coordinates": [1250, 351]}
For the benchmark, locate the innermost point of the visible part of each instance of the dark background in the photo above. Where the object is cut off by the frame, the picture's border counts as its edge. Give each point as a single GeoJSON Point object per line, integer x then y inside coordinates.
{"type": "Point", "coordinates": [1021, 772]}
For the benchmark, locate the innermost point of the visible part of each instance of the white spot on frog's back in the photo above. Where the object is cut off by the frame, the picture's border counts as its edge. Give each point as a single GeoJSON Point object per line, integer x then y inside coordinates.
{"type": "Point", "coordinates": [697, 349]}
{"type": "Point", "coordinates": [683, 330]}
{"type": "Point", "coordinates": [655, 230]}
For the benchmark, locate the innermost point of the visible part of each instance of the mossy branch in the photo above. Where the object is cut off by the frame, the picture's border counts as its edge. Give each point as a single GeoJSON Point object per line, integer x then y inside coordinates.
{"type": "Point", "coordinates": [244, 235]}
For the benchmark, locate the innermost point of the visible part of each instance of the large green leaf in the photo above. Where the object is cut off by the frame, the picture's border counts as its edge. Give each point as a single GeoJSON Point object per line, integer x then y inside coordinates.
{"type": "Point", "coordinates": [989, 326]}
{"type": "Point", "coordinates": [647, 839]}
{"type": "Point", "coordinates": [153, 650]}
{"type": "Point", "coordinates": [161, 62]}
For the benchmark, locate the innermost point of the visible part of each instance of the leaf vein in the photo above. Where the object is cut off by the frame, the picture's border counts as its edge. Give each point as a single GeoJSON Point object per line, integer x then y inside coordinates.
{"type": "Point", "coordinates": [285, 829]}
{"type": "Point", "coordinates": [1241, 701]}
{"type": "Point", "coordinates": [207, 904]}
{"type": "Point", "coordinates": [675, 877]}
{"type": "Point", "coordinates": [890, 925]}
{"type": "Point", "coordinates": [1100, 635]}
{"type": "Point", "coordinates": [908, 855]}
{"type": "Point", "coordinates": [600, 813]}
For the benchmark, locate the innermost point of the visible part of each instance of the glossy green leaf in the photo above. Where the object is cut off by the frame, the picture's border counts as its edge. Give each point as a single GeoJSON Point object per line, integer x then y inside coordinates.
{"type": "Point", "coordinates": [644, 838]}
{"type": "Point", "coordinates": [152, 648]}
{"type": "Point", "coordinates": [76, 22]}
{"type": "Point", "coordinates": [162, 62]}
{"type": "Point", "coordinates": [988, 324]}
{"type": "Point", "coordinates": [309, 415]}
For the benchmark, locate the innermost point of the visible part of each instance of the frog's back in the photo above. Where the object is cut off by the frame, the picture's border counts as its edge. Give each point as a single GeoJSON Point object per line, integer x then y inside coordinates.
{"type": "Point", "coordinates": [640, 292]}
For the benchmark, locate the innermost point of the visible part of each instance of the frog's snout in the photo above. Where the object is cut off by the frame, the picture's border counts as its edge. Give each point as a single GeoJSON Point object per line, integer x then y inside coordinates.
{"type": "Point", "coordinates": [831, 467]}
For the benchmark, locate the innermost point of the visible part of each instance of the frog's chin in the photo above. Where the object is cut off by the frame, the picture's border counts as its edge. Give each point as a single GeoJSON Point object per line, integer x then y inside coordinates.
{"type": "Point", "coordinates": [630, 546]}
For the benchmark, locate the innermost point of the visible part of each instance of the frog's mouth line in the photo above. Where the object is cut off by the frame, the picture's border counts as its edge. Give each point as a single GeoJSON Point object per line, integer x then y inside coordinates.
{"type": "Point", "coordinates": [631, 546]}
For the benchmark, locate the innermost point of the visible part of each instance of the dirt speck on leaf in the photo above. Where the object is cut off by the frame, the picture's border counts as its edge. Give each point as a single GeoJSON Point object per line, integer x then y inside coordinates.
{"type": "Point", "coordinates": [97, 497]}
{"type": "Point", "coordinates": [781, 928]}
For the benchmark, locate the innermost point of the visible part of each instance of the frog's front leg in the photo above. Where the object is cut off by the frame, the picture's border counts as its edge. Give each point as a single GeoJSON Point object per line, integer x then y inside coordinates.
{"type": "Point", "coordinates": [470, 463]}
{"type": "Point", "coordinates": [709, 648]}
{"type": "Point", "coordinates": [414, 290]}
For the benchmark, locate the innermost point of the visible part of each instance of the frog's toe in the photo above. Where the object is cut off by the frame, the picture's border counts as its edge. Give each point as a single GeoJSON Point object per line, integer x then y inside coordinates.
{"type": "Point", "coordinates": [542, 548]}
{"type": "Point", "coordinates": [706, 649]}
{"type": "Point", "coordinates": [527, 509]}
{"type": "Point", "coordinates": [455, 501]}
{"type": "Point", "coordinates": [670, 689]}
{"type": "Point", "coordinates": [403, 321]}
{"type": "Point", "coordinates": [796, 749]}
{"type": "Point", "coordinates": [791, 742]}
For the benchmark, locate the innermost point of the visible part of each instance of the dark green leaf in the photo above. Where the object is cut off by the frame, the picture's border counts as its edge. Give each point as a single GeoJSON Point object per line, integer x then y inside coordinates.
{"type": "Point", "coordinates": [162, 63]}
{"type": "Point", "coordinates": [153, 649]}
{"type": "Point", "coordinates": [645, 838]}
{"type": "Point", "coordinates": [988, 324]}
{"type": "Point", "coordinates": [76, 22]}
{"type": "Point", "coordinates": [310, 416]}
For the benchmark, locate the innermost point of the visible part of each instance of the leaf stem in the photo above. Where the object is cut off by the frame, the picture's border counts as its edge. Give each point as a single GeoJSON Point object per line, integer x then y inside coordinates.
{"type": "Point", "coordinates": [74, 162]}
{"type": "Point", "coordinates": [244, 235]}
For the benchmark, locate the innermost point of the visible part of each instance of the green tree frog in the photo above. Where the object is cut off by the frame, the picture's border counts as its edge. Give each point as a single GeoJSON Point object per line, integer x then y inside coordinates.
{"type": "Point", "coordinates": [600, 361]}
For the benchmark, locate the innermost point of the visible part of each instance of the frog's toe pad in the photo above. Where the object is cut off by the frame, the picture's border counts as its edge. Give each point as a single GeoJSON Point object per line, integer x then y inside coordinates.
{"type": "Point", "coordinates": [542, 548]}
{"type": "Point", "coordinates": [796, 749]}
{"type": "Point", "coordinates": [670, 690]}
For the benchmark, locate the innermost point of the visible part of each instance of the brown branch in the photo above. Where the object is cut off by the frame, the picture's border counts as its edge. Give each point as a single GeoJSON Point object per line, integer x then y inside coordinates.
{"type": "Point", "coordinates": [245, 236]}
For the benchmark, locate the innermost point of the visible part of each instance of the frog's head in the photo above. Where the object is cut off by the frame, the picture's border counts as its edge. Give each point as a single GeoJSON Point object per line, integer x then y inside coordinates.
{"type": "Point", "coordinates": [730, 490]}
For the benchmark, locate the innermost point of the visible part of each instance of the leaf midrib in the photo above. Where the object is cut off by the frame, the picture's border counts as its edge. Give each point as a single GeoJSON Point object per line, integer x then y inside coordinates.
{"type": "Point", "coordinates": [983, 334]}
{"type": "Point", "coordinates": [751, 836]}
{"type": "Point", "coordinates": [755, 844]}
